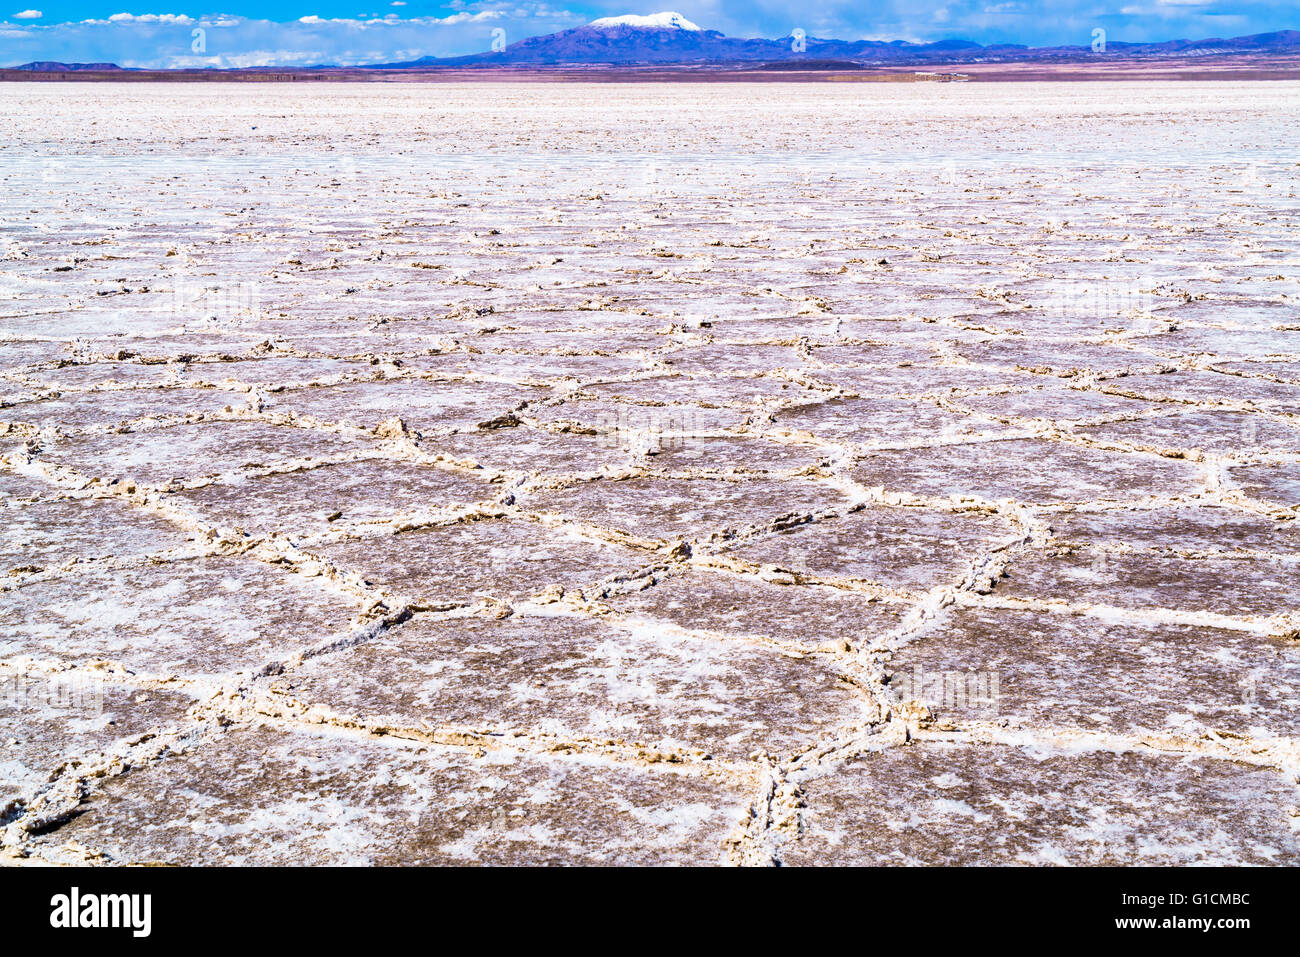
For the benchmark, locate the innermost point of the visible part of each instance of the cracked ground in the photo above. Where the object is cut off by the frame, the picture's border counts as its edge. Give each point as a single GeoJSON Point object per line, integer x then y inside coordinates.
{"type": "Point", "coordinates": [818, 474]}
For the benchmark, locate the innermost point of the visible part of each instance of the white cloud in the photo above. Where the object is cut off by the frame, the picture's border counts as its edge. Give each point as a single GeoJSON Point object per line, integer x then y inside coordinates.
{"type": "Point", "coordinates": [178, 19]}
{"type": "Point", "coordinates": [28, 15]}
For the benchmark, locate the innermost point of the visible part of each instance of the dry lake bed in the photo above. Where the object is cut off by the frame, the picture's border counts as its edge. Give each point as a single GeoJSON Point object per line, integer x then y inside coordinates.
{"type": "Point", "coordinates": [727, 473]}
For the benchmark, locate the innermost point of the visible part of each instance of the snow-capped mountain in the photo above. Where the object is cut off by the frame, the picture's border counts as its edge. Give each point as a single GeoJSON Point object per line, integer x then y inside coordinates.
{"type": "Point", "coordinates": [656, 38]}
{"type": "Point", "coordinates": [655, 21]}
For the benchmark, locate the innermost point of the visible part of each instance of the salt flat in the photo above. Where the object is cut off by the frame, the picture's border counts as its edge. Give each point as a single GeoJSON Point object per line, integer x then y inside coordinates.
{"type": "Point", "coordinates": [560, 473]}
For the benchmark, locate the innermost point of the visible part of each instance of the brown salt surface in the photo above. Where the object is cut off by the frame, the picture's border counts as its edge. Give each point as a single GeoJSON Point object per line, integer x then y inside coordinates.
{"type": "Point", "coordinates": [1038, 669]}
{"type": "Point", "coordinates": [639, 684]}
{"type": "Point", "coordinates": [1287, 370]}
{"type": "Point", "coordinates": [1055, 402]}
{"type": "Point", "coordinates": [582, 339]}
{"type": "Point", "coordinates": [310, 500]}
{"type": "Point", "coordinates": [749, 358]}
{"type": "Point", "coordinates": [1275, 484]}
{"type": "Point", "coordinates": [72, 410]}
{"type": "Point", "coordinates": [688, 508]}
{"type": "Point", "coordinates": [620, 418]}
{"type": "Point", "coordinates": [724, 452]}
{"type": "Point", "coordinates": [911, 379]}
{"type": "Point", "coordinates": [422, 403]}
{"type": "Point", "coordinates": [1219, 432]}
{"type": "Point", "coordinates": [269, 796]}
{"type": "Point", "coordinates": [1190, 528]}
{"type": "Point", "coordinates": [1225, 586]}
{"type": "Point", "coordinates": [1198, 386]}
{"type": "Point", "coordinates": [1225, 343]}
{"type": "Point", "coordinates": [137, 319]}
{"type": "Point", "coordinates": [901, 547]}
{"type": "Point", "coordinates": [526, 449]}
{"type": "Point", "coordinates": [1026, 470]}
{"type": "Point", "coordinates": [52, 718]}
{"type": "Point", "coordinates": [1054, 357]}
{"type": "Point", "coordinates": [991, 805]}
{"type": "Point", "coordinates": [177, 345]}
{"type": "Point", "coordinates": [16, 488]}
{"type": "Point", "coordinates": [85, 375]}
{"type": "Point", "coordinates": [778, 326]}
{"type": "Point", "coordinates": [195, 451]}
{"type": "Point", "coordinates": [711, 391]}
{"type": "Point", "coordinates": [18, 353]}
{"type": "Point", "coordinates": [509, 559]}
{"type": "Point", "coordinates": [201, 616]}
{"type": "Point", "coordinates": [850, 355]}
{"type": "Point", "coordinates": [803, 616]}
{"type": "Point", "coordinates": [1254, 318]}
{"type": "Point", "coordinates": [272, 372]}
{"type": "Point", "coordinates": [521, 366]}
{"type": "Point", "coordinates": [49, 533]}
{"type": "Point", "coordinates": [878, 421]}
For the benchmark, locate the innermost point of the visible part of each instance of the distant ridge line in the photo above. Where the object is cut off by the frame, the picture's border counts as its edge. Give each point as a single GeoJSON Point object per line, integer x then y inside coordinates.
{"type": "Point", "coordinates": [614, 45]}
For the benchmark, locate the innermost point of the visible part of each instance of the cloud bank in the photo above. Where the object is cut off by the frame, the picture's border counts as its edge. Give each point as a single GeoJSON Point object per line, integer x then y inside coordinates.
{"type": "Point", "coordinates": [175, 40]}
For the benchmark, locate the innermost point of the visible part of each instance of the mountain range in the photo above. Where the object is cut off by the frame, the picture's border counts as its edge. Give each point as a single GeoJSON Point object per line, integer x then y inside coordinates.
{"type": "Point", "coordinates": [670, 40]}
{"type": "Point", "coordinates": [52, 66]}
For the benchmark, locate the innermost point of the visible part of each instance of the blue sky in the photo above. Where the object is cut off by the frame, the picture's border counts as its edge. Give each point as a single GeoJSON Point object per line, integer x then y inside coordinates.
{"type": "Point", "coordinates": [154, 33]}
